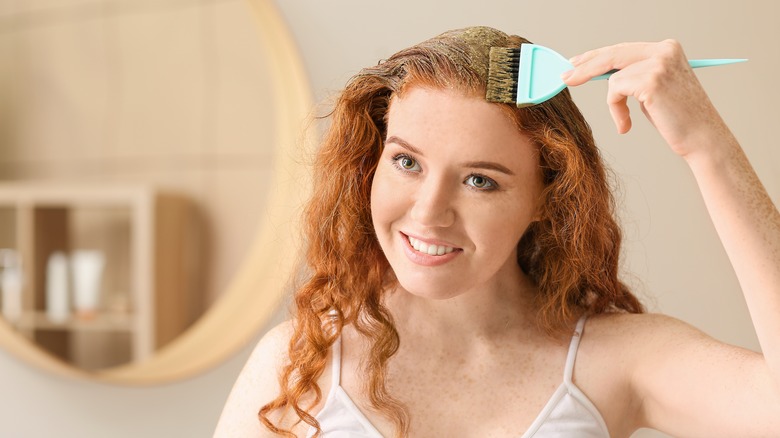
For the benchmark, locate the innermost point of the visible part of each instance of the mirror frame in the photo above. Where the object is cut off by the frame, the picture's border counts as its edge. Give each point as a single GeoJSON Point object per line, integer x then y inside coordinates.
{"type": "Point", "coordinates": [258, 288]}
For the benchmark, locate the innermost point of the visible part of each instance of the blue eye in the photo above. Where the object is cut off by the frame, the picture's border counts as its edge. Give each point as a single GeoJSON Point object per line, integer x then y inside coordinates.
{"type": "Point", "coordinates": [405, 162]}
{"type": "Point", "coordinates": [480, 182]}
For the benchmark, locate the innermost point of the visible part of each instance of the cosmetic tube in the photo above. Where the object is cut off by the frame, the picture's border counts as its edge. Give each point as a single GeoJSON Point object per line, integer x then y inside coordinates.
{"type": "Point", "coordinates": [87, 270]}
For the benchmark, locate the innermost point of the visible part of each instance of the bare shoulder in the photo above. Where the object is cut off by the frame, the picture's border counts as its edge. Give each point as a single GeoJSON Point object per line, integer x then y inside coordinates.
{"type": "Point", "coordinates": [635, 343]}
{"type": "Point", "coordinates": [256, 385]}
{"type": "Point", "coordinates": [615, 347]}
{"type": "Point", "coordinates": [653, 370]}
{"type": "Point", "coordinates": [270, 353]}
{"type": "Point", "coordinates": [632, 327]}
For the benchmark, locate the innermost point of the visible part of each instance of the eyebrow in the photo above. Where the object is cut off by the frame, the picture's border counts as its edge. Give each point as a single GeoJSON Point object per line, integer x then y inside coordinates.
{"type": "Point", "coordinates": [488, 165]}
{"type": "Point", "coordinates": [404, 144]}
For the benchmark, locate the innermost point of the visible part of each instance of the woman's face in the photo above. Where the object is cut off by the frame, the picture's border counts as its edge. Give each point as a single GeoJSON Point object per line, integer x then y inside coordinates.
{"type": "Point", "coordinates": [455, 188]}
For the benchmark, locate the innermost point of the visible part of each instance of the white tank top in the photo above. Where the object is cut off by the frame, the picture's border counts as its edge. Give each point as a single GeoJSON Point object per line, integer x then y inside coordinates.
{"type": "Point", "coordinates": [568, 413]}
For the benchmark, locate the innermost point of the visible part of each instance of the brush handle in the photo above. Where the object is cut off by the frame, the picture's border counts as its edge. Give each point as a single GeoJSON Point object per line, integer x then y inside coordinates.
{"type": "Point", "coordinates": [694, 63]}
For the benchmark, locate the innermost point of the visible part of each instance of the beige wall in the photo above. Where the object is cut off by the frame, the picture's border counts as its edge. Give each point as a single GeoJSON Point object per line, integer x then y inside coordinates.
{"type": "Point", "coordinates": [673, 255]}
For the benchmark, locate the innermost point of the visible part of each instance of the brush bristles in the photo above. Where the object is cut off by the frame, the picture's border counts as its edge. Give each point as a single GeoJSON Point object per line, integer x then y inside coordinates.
{"type": "Point", "coordinates": [503, 71]}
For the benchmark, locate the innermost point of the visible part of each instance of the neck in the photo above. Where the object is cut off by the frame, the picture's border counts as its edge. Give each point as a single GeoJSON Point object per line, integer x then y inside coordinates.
{"type": "Point", "coordinates": [489, 314]}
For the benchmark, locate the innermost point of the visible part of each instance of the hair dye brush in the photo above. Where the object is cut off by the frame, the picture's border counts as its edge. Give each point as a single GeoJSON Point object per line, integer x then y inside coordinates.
{"type": "Point", "coordinates": [531, 74]}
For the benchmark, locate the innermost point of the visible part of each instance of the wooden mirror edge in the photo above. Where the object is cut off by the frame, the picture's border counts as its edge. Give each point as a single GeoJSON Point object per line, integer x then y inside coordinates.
{"type": "Point", "coordinates": [257, 290]}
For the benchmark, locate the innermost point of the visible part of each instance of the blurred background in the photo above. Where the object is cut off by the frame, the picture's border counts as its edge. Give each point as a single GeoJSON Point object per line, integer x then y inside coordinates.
{"type": "Point", "coordinates": [122, 119]}
{"type": "Point", "coordinates": [107, 102]}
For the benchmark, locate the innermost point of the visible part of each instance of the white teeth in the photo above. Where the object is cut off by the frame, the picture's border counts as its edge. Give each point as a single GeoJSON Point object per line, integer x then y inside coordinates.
{"type": "Point", "coordinates": [429, 249]}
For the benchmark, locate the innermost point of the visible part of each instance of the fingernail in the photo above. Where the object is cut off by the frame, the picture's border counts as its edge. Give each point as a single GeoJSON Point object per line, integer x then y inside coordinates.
{"type": "Point", "coordinates": [565, 75]}
{"type": "Point", "coordinates": [575, 59]}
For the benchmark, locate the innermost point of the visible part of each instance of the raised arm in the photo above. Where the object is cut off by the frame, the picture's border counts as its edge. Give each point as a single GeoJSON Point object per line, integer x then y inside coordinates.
{"type": "Point", "coordinates": [695, 385]}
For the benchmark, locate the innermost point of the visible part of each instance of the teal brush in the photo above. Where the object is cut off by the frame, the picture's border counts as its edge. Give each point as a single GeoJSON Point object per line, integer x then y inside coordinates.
{"type": "Point", "coordinates": [531, 74]}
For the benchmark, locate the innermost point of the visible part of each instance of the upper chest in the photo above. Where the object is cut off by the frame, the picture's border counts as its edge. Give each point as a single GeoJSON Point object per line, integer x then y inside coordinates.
{"type": "Point", "coordinates": [485, 393]}
{"type": "Point", "coordinates": [489, 392]}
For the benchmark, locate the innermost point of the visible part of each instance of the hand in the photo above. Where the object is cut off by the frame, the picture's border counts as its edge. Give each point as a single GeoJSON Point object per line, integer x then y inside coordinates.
{"type": "Point", "coordinates": [659, 77]}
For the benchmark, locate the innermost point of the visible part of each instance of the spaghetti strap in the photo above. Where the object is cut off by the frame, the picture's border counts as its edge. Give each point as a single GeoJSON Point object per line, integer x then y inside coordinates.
{"type": "Point", "coordinates": [573, 346]}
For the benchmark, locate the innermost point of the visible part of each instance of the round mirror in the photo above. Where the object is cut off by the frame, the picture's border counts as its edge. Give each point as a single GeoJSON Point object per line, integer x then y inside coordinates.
{"type": "Point", "coordinates": [149, 184]}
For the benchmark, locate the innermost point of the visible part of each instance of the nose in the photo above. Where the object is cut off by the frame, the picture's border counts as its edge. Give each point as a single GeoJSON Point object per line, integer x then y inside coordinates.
{"type": "Point", "coordinates": [434, 204]}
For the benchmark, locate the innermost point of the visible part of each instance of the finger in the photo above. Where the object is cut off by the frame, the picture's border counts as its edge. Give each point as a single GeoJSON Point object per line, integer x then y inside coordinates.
{"type": "Point", "coordinates": [599, 61]}
{"type": "Point", "coordinates": [629, 82]}
{"type": "Point", "coordinates": [618, 109]}
{"type": "Point", "coordinates": [583, 57]}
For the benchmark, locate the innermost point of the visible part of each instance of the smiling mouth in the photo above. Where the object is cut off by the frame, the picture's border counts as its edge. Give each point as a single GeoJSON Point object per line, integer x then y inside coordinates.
{"type": "Point", "coordinates": [426, 248]}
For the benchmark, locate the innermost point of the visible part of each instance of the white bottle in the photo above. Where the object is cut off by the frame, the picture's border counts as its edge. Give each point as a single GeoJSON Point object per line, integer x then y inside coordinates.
{"type": "Point", "coordinates": [11, 285]}
{"type": "Point", "coordinates": [57, 282]}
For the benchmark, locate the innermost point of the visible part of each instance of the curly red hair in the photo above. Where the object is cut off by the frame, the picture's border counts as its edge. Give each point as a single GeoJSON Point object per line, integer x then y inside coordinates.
{"type": "Point", "coordinates": [571, 253]}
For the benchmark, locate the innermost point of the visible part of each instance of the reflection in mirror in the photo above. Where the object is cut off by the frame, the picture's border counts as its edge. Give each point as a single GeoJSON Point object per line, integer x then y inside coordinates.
{"type": "Point", "coordinates": [132, 162]}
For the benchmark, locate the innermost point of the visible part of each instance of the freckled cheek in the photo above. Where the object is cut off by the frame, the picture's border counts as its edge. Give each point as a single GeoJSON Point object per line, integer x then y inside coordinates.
{"type": "Point", "coordinates": [500, 223]}
{"type": "Point", "coordinates": [386, 202]}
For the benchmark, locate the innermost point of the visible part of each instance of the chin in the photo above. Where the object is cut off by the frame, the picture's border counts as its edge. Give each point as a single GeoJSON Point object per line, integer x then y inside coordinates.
{"type": "Point", "coordinates": [424, 289]}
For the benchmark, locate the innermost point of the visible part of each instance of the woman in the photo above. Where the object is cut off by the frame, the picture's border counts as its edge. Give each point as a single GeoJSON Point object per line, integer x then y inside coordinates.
{"type": "Point", "coordinates": [464, 253]}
